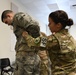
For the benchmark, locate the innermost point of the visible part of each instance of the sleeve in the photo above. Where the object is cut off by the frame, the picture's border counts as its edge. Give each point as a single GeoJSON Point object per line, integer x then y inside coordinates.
{"type": "Point", "coordinates": [32, 41]}
{"type": "Point", "coordinates": [40, 41]}
{"type": "Point", "coordinates": [23, 20]}
{"type": "Point", "coordinates": [51, 42]}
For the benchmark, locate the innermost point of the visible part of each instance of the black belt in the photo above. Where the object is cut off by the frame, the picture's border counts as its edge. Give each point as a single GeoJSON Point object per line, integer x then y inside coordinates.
{"type": "Point", "coordinates": [28, 52]}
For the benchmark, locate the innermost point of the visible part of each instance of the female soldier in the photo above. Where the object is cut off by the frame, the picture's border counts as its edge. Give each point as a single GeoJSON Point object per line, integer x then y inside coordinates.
{"type": "Point", "coordinates": [61, 45]}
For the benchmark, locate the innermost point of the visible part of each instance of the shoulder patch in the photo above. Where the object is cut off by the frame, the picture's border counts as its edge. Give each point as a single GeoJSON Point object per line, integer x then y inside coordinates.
{"type": "Point", "coordinates": [43, 41]}
{"type": "Point", "coordinates": [37, 40]}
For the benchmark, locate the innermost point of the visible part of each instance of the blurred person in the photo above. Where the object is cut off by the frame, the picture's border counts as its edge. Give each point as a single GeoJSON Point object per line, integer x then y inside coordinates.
{"type": "Point", "coordinates": [27, 59]}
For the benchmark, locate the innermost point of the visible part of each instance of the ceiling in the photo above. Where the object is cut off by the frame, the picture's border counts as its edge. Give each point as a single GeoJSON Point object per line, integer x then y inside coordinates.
{"type": "Point", "coordinates": [40, 9]}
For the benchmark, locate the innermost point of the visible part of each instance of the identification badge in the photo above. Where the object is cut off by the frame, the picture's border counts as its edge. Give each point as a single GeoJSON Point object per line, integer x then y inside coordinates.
{"type": "Point", "coordinates": [43, 42]}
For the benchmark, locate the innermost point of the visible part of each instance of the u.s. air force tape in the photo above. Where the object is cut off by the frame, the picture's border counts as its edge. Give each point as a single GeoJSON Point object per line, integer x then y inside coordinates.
{"type": "Point", "coordinates": [43, 42]}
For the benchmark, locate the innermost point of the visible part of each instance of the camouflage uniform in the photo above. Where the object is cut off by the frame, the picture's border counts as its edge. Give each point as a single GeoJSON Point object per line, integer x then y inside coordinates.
{"type": "Point", "coordinates": [45, 63]}
{"type": "Point", "coordinates": [62, 52]}
{"type": "Point", "coordinates": [26, 58]}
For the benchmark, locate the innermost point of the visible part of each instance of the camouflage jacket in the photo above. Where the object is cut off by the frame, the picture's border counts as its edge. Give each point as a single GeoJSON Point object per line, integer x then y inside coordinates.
{"type": "Point", "coordinates": [62, 51]}
{"type": "Point", "coordinates": [20, 22]}
{"type": "Point", "coordinates": [61, 47]}
{"type": "Point", "coordinates": [39, 42]}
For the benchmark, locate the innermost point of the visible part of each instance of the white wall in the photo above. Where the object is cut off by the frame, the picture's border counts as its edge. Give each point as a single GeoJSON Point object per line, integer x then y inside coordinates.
{"type": "Point", "coordinates": [72, 31]}
{"type": "Point", "coordinates": [5, 35]}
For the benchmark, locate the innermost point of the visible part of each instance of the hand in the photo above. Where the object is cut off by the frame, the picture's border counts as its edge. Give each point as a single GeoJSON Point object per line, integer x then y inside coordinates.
{"type": "Point", "coordinates": [43, 54]}
{"type": "Point", "coordinates": [24, 34]}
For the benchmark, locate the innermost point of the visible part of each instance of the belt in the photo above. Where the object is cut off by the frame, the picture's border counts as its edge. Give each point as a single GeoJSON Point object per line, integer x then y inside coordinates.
{"type": "Point", "coordinates": [27, 52]}
{"type": "Point", "coordinates": [38, 48]}
{"type": "Point", "coordinates": [32, 49]}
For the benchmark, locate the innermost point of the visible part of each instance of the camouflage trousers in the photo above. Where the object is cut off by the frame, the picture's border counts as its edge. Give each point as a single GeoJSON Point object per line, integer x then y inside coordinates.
{"type": "Point", "coordinates": [45, 63]}
{"type": "Point", "coordinates": [67, 70]}
{"type": "Point", "coordinates": [45, 68]}
{"type": "Point", "coordinates": [27, 63]}
{"type": "Point", "coordinates": [71, 73]}
{"type": "Point", "coordinates": [64, 72]}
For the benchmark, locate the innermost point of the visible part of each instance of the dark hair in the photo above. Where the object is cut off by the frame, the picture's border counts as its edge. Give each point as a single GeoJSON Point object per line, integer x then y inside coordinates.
{"type": "Point", "coordinates": [4, 14]}
{"type": "Point", "coordinates": [61, 16]}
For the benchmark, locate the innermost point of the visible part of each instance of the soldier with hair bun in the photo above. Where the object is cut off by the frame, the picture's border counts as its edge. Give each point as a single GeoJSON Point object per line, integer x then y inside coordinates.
{"type": "Point", "coordinates": [61, 45]}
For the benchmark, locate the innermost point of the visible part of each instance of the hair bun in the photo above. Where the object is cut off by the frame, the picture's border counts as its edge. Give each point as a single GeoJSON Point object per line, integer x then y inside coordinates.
{"type": "Point", "coordinates": [69, 22]}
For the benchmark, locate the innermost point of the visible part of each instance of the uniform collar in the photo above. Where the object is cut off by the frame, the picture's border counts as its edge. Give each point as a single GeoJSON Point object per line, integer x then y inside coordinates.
{"type": "Point", "coordinates": [61, 31]}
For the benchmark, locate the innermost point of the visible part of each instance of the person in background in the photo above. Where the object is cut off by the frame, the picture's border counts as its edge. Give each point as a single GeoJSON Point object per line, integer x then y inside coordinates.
{"type": "Point", "coordinates": [27, 59]}
{"type": "Point", "coordinates": [60, 45]}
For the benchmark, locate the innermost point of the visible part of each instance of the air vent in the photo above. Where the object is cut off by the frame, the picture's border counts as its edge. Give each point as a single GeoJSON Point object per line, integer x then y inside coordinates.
{"type": "Point", "coordinates": [74, 5]}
